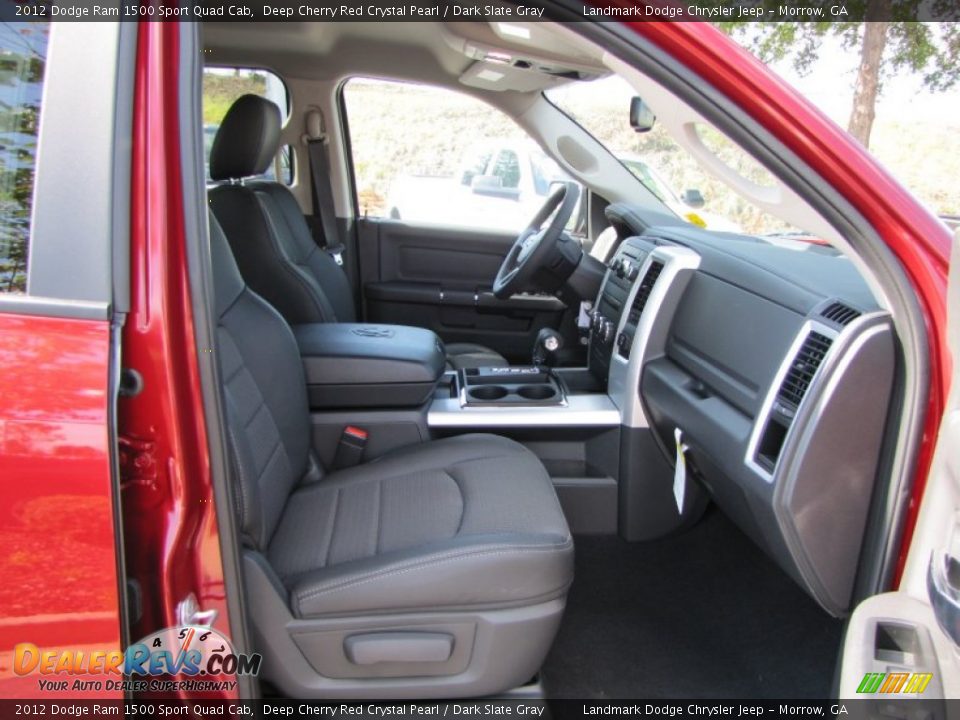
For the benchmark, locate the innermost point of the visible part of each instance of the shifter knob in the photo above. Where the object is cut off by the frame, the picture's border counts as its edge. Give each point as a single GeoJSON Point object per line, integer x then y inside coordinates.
{"type": "Point", "coordinates": [548, 343]}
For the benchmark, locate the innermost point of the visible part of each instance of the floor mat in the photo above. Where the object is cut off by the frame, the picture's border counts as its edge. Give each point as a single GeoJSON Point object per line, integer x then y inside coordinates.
{"type": "Point", "coordinates": [704, 614]}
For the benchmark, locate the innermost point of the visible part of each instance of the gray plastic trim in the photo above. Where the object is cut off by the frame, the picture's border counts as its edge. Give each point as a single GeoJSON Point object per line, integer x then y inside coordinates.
{"type": "Point", "coordinates": [493, 649]}
{"type": "Point", "coordinates": [813, 473]}
{"type": "Point", "coordinates": [52, 307]}
{"type": "Point", "coordinates": [760, 423]}
{"type": "Point", "coordinates": [879, 562]}
{"type": "Point", "coordinates": [591, 410]}
{"type": "Point", "coordinates": [73, 215]}
{"type": "Point", "coordinates": [123, 165]}
{"type": "Point", "coordinates": [679, 263]}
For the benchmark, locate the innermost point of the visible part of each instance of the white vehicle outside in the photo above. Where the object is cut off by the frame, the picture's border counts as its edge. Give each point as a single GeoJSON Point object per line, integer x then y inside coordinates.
{"type": "Point", "coordinates": [499, 186]}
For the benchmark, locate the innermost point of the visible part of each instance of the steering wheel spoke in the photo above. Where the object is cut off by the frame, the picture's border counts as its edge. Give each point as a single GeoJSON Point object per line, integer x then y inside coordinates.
{"type": "Point", "coordinates": [536, 244]}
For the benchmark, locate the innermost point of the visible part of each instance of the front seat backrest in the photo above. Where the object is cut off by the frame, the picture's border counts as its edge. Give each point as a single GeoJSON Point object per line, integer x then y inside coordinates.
{"type": "Point", "coordinates": [269, 235]}
{"type": "Point", "coordinates": [267, 417]}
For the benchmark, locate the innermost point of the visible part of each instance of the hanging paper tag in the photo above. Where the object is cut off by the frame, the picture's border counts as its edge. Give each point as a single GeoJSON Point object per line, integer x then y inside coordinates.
{"type": "Point", "coordinates": [680, 470]}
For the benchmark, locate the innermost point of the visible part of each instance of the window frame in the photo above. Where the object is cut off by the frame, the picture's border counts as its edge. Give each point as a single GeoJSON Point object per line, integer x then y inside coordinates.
{"type": "Point", "coordinates": [346, 141]}
{"type": "Point", "coordinates": [88, 91]}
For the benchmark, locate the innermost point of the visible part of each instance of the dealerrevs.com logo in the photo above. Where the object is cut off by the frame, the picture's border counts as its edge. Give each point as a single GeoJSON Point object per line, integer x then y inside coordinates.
{"type": "Point", "coordinates": [201, 658]}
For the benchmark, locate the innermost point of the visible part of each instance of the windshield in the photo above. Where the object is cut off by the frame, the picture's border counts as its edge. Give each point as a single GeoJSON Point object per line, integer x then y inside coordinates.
{"type": "Point", "coordinates": [667, 170]}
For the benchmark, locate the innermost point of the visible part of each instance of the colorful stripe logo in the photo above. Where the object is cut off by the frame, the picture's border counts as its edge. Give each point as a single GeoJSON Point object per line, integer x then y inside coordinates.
{"type": "Point", "coordinates": [894, 683]}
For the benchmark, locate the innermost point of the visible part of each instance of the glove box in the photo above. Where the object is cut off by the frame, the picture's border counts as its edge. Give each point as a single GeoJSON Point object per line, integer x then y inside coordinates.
{"type": "Point", "coordinates": [354, 365]}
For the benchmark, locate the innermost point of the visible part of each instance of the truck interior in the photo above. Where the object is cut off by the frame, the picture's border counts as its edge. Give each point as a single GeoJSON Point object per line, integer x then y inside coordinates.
{"type": "Point", "coordinates": [607, 452]}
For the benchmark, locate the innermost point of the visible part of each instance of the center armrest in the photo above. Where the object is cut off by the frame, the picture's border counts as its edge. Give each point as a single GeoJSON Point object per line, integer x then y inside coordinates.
{"type": "Point", "coordinates": [367, 365]}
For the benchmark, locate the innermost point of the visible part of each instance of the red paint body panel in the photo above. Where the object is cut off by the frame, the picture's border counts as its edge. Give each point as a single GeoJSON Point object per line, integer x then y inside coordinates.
{"type": "Point", "coordinates": [58, 567]}
{"type": "Point", "coordinates": [919, 240]}
{"type": "Point", "coordinates": [172, 543]}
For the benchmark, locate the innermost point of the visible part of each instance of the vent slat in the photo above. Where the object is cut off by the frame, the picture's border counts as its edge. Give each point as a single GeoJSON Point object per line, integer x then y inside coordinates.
{"type": "Point", "coordinates": [840, 313]}
{"type": "Point", "coordinates": [803, 368]}
{"type": "Point", "coordinates": [643, 292]}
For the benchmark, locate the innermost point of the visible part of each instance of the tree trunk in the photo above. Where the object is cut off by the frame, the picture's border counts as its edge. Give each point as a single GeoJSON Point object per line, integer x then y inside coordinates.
{"type": "Point", "coordinates": [868, 81]}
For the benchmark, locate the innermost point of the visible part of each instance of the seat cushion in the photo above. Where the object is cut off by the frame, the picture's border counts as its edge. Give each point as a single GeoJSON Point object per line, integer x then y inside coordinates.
{"type": "Point", "coordinates": [469, 355]}
{"type": "Point", "coordinates": [466, 522]}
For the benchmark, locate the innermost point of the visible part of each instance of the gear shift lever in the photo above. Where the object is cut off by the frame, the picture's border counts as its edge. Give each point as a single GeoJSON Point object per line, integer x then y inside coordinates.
{"type": "Point", "coordinates": [545, 349]}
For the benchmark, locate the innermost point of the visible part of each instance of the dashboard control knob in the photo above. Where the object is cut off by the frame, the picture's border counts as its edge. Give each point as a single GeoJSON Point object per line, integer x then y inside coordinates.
{"type": "Point", "coordinates": [598, 322]}
{"type": "Point", "coordinates": [633, 272]}
{"type": "Point", "coordinates": [622, 341]}
{"type": "Point", "coordinates": [606, 331]}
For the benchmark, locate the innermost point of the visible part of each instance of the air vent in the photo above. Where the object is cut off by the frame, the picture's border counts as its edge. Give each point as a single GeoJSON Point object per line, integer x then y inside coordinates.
{"type": "Point", "coordinates": [643, 292]}
{"type": "Point", "coordinates": [803, 368]}
{"type": "Point", "coordinates": [840, 314]}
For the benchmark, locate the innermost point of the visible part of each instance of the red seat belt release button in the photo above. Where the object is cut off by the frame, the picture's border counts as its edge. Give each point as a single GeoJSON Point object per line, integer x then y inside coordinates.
{"type": "Point", "coordinates": [353, 441]}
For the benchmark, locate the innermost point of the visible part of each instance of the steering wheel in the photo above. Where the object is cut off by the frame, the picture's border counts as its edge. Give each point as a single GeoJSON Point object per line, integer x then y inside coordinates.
{"type": "Point", "coordinates": [535, 246]}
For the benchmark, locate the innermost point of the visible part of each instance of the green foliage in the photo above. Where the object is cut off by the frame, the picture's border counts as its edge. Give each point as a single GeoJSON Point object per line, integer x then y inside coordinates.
{"type": "Point", "coordinates": [220, 91]}
{"type": "Point", "coordinates": [932, 49]}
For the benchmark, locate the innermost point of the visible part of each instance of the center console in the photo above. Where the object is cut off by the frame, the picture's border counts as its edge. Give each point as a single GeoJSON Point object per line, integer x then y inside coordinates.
{"type": "Point", "coordinates": [510, 386]}
{"type": "Point", "coordinates": [583, 423]}
{"type": "Point", "coordinates": [353, 365]}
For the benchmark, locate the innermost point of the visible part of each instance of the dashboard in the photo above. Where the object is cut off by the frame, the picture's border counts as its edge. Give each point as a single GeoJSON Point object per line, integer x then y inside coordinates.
{"type": "Point", "coordinates": [772, 369]}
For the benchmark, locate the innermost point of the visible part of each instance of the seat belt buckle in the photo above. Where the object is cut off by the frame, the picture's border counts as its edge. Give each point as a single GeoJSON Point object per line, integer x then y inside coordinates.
{"type": "Point", "coordinates": [353, 441]}
{"type": "Point", "coordinates": [336, 252]}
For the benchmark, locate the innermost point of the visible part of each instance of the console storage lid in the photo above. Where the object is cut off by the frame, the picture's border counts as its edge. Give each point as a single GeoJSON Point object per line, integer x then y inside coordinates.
{"type": "Point", "coordinates": [367, 365]}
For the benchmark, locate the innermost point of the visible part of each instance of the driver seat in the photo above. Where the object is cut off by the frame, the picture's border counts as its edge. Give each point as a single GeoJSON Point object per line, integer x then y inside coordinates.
{"type": "Point", "coordinates": [268, 233]}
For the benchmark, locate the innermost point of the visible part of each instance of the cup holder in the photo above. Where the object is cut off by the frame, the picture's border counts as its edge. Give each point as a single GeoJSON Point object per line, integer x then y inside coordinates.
{"type": "Point", "coordinates": [536, 392]}
{"type": "Point", "coordinates": [487, 392]}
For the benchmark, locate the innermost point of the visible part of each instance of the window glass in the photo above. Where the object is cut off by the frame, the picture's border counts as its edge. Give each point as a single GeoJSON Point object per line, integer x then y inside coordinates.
{"type": "Point", "coordinates": [434, 156]}
{"type": "Point", "coordinates": [667, 170]}
{"type": "Point", "coordinates": [23, 52]}
{"type": "Point", "coordinates": [221, 88]}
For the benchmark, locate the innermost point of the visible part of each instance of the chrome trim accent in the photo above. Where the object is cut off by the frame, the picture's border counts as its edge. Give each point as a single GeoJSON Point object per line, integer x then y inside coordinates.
{"type": "Point", "coordinates": [760, 422]}
{"type": "Point", "coordinates": [593, 410]}
{"type": "Point", "coordinates": [561, 402]}
{"type": "Point", "coordinates": [189, 613]}
{"type": "Point", "coordinates": [623, 385]}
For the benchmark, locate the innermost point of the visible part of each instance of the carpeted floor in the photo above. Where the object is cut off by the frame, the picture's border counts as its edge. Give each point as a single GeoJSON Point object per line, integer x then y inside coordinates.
{"type": "Point", "coordinates": [704, 614]}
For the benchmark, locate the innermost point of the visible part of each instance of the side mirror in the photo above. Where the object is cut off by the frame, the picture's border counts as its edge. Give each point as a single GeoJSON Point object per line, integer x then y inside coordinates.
{"type": "Point", "coordinates": [693, 198]}
{"type": "Point", "coordinates": [641, 116]}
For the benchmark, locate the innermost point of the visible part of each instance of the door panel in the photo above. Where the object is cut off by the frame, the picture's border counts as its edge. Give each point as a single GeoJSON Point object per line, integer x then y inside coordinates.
{"type": "Point", "coordinates": [440, 278]}
{"type": "Point", "coordinates": [901, 632]}
{"type": "Point", "coordinates": [58, 577]}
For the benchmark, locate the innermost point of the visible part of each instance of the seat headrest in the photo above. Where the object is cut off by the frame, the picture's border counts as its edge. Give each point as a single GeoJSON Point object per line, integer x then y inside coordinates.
{"type": "Point", "coordinates": [247, 140]}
